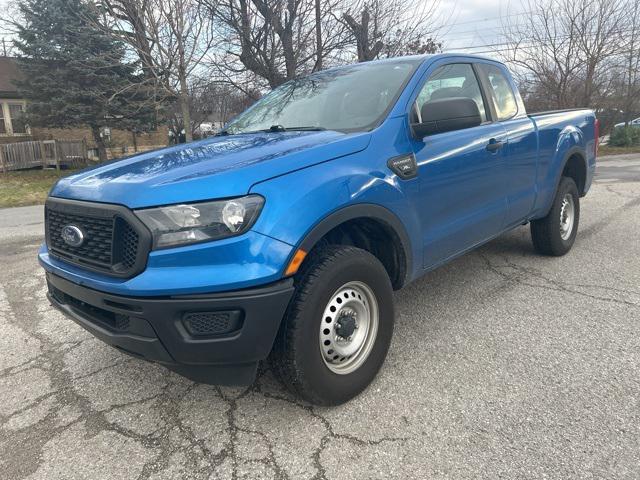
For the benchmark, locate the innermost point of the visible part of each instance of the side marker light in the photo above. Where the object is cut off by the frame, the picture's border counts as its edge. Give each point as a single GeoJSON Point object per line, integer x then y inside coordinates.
{"type": "Point", "coordinates": [295, 263]}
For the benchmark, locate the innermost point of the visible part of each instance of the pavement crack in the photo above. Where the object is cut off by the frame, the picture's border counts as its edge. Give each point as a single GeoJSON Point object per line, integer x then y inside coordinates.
{"type": "Point", "coordinates": [521, 273]}
{"type": "Point", "coordinates": [64, 388]}
{"type": "Point", "coordinates": [119, 362]}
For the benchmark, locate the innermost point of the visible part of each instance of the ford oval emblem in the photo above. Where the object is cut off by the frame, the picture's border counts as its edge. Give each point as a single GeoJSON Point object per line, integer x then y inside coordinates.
{"type": "Point", "coordinates": [72, 235]}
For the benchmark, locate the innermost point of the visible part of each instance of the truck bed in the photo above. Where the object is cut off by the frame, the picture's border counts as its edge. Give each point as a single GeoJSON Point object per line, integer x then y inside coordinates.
{"type": "Point", "coordinates": [552, 112]}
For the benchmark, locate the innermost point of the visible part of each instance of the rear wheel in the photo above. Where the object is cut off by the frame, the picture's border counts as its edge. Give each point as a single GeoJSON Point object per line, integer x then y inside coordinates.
{"type": "Point", "coordinates": [556, 233]}
{"type": "Point", "coordinates": [337, 330]}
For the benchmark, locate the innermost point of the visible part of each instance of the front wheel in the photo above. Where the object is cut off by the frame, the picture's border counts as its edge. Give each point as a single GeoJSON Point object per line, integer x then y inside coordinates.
{"type": "Point", "coordinates": [555, 233]}
{"type": "Point", "coordinates": [337, 330]}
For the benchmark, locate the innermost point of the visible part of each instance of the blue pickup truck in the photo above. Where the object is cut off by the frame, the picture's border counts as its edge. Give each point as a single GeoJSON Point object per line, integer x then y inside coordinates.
{"type": "Point", "coordinates": [284, 236]}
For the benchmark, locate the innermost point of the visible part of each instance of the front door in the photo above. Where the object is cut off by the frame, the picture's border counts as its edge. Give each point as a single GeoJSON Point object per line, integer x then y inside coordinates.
{"type": "Point", "coordinates": [461, 173]}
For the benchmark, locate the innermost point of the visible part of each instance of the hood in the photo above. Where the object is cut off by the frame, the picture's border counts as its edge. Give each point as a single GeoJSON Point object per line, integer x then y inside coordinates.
{"type": "Point", "coordinates": [217, 167]}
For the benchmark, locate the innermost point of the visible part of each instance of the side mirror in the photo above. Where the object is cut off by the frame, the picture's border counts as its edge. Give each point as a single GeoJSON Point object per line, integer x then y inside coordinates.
{"type": "Point", "coordinates": [446, 115]}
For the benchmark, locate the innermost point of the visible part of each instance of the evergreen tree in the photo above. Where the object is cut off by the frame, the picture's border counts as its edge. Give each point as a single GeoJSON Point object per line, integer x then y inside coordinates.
{"type": "Point", "coordinates": [75, 75]}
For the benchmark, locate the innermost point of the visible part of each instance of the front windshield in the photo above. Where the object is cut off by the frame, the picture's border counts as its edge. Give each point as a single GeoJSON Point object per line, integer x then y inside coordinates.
{"type": "Point", "coordinates": [350, 98]}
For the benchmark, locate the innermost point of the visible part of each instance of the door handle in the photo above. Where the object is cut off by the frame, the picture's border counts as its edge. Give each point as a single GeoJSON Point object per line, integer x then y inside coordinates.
{"type": "Point", "coordinates": [494, 145]}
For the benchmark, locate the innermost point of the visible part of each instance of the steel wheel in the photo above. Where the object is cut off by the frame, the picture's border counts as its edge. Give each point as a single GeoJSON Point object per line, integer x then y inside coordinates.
{"type": "Point", "coordinates": [349, 327]}
{"type": "Point", "coordinates": [567, 216]}
{"type": "Point", "coordinates": [555, 233]}
{"type": "Point", "coordinates": [339, 288]}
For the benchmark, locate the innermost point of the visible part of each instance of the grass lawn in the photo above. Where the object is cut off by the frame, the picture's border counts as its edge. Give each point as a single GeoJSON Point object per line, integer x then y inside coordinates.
{"type": "Point", "coordinates": [27, 187]}
{"type": "Point", "coordinates": [607, 150]}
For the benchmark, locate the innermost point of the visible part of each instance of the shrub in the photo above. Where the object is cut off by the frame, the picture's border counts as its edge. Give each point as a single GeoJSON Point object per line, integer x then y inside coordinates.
{"type": "Point", "coordinates": [625, 137]}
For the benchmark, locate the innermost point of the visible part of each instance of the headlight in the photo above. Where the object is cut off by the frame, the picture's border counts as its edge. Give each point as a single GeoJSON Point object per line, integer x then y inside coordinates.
{"type": "Point", "coordinates": [198, 222]}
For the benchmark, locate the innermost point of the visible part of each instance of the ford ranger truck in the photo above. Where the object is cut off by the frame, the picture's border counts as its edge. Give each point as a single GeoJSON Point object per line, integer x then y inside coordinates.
{"type": "Point", "coordinates": [284, 236]}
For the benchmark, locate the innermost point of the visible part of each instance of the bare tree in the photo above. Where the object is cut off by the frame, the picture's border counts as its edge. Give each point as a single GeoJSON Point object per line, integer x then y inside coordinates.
{"type": "Point", "coordinates": [9, 20]}
{"type": "Point", "coordinates": [209, 101]}
{"type": "Point", "coordinates": [544, 47]}
{"type": "Point", "coordinates": [563, 50]}
{"type": "Point", "coordinates": [599, 31]}
{"type": "Point", "coordinates": [631, 62]}
{"type": "Point", "coordinates": [6, 47]}
{"type": "Point", "coordinates": [275, 40]}
{"type": "Point", "coordinates": [170, 37]}
{"type": "Point", "coordinates": [392, 27]}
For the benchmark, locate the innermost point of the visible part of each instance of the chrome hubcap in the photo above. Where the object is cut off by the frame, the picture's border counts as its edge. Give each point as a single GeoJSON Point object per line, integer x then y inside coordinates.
{"type": "Point", "coordinates": [567, 216]}
{"type": "Point", "coordinates": [348, 328]}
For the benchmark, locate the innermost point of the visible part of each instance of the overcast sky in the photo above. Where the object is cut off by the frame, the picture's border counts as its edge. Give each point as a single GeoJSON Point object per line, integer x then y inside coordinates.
{"type": "Point", "coordinates": [476, 23]}
{"type": "Point", "coordinates": [468, 24]}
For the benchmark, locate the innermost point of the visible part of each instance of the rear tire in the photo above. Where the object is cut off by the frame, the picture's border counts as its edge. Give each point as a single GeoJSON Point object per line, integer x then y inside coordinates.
{"type": "Point", "coordinates": [339, 291]}
{"type": "Point", "coordinates": [555, 234]}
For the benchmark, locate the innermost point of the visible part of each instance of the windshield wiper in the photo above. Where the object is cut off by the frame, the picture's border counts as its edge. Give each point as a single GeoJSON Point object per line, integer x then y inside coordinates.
{"type": "Point", "coordinates": [280, 128]}
{"type": "Point", "coordinates": [306, 129]}
{"type": "Point", "coordinates": [275, 129]}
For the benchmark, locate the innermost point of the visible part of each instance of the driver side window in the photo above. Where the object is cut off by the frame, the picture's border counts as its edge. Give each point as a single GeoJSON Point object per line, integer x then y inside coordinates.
{"type": "Point", "coordinates": [456, 80]}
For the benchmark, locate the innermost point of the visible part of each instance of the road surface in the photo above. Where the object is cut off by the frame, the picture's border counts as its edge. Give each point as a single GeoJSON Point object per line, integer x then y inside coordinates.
{"type": "Point", "coordinates": [504, 364]}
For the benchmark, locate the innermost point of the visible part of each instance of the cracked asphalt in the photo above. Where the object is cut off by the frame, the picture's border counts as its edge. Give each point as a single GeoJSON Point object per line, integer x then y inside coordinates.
{"type": "Point", "coordinates": [504, 364]}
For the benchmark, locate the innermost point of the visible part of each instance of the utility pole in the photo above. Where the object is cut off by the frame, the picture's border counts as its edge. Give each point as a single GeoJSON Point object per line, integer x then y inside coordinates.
{"type": "Point", "coordinates": [4, 47]}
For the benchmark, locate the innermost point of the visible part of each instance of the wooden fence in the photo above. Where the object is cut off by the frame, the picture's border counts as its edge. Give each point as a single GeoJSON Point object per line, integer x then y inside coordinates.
{"type": "Point", "coordinates": [117, 152]}
{"type": "Point", "coordinates": [45, 154]}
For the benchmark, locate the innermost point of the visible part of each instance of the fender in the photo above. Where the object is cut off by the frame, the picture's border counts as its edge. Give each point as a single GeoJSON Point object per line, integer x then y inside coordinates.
{"type": "Point", "coordinates": [363, 210]}
{"type": "Point", "coordinates": [578, 151]}
{"type": "Point", "coordinates": [306, 204]}
{"type": "Point", "coordinates": [549, 185]}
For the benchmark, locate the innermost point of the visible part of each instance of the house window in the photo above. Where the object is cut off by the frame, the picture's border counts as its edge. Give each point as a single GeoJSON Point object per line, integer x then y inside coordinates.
{"type": "Point", "coordinates": [106, 134]}
{"type": "Point", "coordinates": [16, 113]}
{"type": "Point", "coordinates": [12, 118]}
{"type": "Point", "coordinates": [3, 127]}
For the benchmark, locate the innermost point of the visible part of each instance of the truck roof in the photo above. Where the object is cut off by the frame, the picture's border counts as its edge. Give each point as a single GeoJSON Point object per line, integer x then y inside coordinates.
{"type": "Point", "coordinates": [421, 58]}
{"type": "Point", "coordinates": [466, 55]}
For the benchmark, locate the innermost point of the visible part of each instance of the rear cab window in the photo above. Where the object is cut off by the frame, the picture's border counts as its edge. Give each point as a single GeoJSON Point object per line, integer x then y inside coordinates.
{"type": "Point", "coordinates": [504, 100]}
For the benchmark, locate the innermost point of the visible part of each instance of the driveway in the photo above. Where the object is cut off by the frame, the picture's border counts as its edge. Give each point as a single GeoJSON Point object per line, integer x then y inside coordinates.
{"type": "Point", "coordinates": [504, 364]}
{"type": "Point", "coordinates": [21, 222]}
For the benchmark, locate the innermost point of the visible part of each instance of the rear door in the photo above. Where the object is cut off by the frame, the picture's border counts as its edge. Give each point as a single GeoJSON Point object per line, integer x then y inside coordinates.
{"type": "Point", "coordinates": [461, 201]}
{"type": "Point", "coordinates": [521, 152]}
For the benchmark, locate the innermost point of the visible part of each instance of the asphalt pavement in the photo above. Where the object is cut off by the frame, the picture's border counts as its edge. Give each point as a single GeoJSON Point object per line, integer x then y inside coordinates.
{"type": "Point", "coordinates": [21, 222]}
{"type": "Point", "coordinates": [504, 364]}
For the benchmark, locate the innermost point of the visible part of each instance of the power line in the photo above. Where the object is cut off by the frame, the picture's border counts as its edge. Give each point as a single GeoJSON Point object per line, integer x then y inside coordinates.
{"type": "Point", "coordinates": [474, 32]}
{"type": "Point", "coordinates": [530, 39]}
{"type": "Point", "coordinates": [525, 48]}
{"type": "Point", "coordinates": [486, 19]}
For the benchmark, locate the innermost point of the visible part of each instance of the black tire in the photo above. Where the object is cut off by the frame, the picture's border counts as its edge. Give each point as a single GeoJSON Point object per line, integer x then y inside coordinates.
{"type": "Point", "coordinates": [546, 232]}
{"type": "Point", "coordinates": [297, 358]}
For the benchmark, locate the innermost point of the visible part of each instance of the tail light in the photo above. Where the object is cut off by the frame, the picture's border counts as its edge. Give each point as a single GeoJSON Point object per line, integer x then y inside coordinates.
{"type": "Point", "coordinates": [597, 133]}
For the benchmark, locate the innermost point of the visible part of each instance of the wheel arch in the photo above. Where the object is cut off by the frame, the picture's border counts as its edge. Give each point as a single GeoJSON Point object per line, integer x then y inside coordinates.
{"type": "Point", "coordinates": [574, 165]}
{"type": "Point", "coordinates": [398, 265]}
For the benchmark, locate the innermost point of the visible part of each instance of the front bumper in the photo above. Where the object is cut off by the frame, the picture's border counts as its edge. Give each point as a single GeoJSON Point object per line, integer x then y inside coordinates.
{"type": "Point", "coordinates": [237, 263]}
{"type": "Point", "coordinates": [154, 328]}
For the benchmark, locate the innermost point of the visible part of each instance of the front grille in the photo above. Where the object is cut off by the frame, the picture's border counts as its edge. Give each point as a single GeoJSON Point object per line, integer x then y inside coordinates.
{"type": "Point", "coordinates": [98, 247]}
{"type": "Point", "coordinates": [114, 242]}
{"type": "Point", "coordinates": [200, 324]}
{"type": "Point", "coordinates": [127, 246]}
